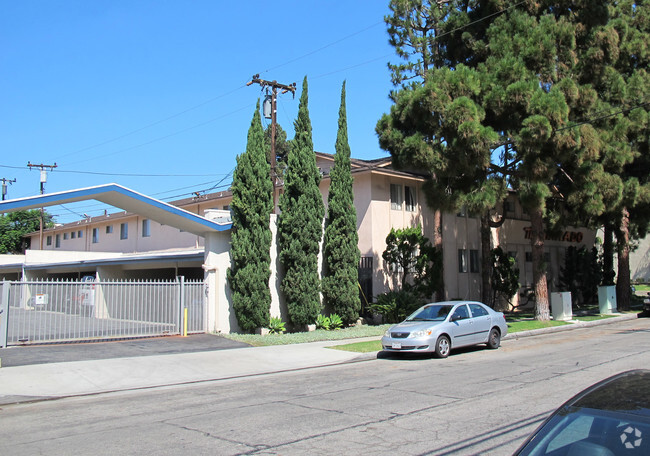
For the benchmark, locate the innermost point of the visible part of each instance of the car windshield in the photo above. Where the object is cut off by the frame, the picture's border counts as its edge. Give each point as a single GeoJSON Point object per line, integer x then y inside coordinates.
{"type": "Point", "coordinates": [434, 312]}
{"type": "Point", "coordinates": [578, 430]}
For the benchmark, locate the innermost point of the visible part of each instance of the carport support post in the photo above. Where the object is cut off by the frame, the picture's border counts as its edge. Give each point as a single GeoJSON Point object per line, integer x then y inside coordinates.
{"type": "Point", "coordinates": [182, 312]}
{"type": "Point", "coordinates": [4, 313]}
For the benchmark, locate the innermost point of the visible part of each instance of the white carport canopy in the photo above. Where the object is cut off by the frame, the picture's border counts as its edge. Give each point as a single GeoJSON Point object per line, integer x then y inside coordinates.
{"type": "Point", "coordinates": [126, 199]}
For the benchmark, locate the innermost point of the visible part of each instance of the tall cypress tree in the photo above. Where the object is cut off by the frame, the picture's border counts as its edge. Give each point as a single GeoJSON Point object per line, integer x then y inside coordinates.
{"type": "Point", "coordinates": [251, 206]}
{"type": "Point", "coordinates": [300, 226]}
{"type": "Point", "coordinates": [341, 250]}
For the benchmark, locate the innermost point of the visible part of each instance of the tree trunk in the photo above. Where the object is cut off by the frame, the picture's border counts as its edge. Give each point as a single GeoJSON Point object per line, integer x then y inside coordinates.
{"type": "Point", "coordinates": [539, 266]}
{"type": "Point", "coordinates": [608, 255]}
{"type": "Point", "coordinates": [486, 267]}
{"type": "Point", "coordinates": [437, 243]}
{"type": "Point", "coordinates": [623, 248]}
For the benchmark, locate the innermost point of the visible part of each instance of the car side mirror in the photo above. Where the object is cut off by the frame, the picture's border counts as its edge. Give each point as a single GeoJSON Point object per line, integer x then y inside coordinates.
{"type": "Point", "coordinates": [454, 317]}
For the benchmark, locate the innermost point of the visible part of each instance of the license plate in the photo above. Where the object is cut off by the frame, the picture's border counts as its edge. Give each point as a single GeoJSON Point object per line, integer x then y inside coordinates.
{"type": "Point", "coordinates": [397, 346]}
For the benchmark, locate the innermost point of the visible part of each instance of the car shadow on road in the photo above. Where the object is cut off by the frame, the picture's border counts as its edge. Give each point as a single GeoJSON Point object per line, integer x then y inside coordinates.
{"type": "Point", "coordinates": [415, 356]}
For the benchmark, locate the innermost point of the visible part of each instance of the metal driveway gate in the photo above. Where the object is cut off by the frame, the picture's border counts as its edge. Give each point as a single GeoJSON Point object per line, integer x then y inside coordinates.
{"type": "Point", "coordinates": [33, 312]}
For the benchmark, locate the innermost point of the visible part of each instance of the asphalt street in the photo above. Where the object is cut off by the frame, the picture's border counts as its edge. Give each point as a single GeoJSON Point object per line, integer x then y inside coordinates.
{"type": "Point", "coordinates": [476, 402]}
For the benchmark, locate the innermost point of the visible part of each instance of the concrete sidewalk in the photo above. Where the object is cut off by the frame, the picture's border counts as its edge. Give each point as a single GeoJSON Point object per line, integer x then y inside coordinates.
{"type": "Point", "coordinates": [35, 382]}
{"type": "Point", "coordinates": [55, 380]}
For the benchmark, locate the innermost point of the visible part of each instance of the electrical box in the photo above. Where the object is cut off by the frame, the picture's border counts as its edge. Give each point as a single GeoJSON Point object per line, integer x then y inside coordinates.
{"type": "Point", "coordinates": [561, 306]}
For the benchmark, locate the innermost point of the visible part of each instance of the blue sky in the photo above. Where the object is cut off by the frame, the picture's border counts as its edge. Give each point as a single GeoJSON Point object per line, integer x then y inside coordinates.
{"type": "Point", "coordinates": [158, 88]}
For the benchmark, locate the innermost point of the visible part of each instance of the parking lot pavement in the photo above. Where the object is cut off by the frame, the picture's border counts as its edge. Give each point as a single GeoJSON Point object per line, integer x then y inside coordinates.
{"type": "Point", "coordinates": [58, 353]}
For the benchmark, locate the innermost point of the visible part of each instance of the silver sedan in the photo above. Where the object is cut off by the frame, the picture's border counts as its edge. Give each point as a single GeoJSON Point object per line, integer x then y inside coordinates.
{"type": "Point", "coordinates": [438, 327]}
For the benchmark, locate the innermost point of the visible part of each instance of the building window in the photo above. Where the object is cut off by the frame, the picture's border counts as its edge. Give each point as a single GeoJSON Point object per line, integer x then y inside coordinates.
{"type": "Point", "coordinates": [124, 231]}
{"type": "Point", "coordinates": [409, 198]}
{"type": "Point", "coordinates": [473, 261]}
{"type": "Point", "coordinates": [395, 197]}
{"type": "Point", "coordinates": [462, 260]}
{"type": "Point", "coordinates": [65, 236]}
{"type": "Point", "coordinates": [73, 235]}
{"type": "Point", "coordinates": [109, 229]}
{"type": "Point", "coordinates": [57, 241]}
{"type": "Point", "coordinates": [226, 207]}
{"type": "Point", "coordinates": [80, 234]}
{"type": "Point", "coordinates": [146, 228]}
{"type": "Point", "coordinates": [48, 240]}
{"type": "Point", "coordinates": [95, 235]}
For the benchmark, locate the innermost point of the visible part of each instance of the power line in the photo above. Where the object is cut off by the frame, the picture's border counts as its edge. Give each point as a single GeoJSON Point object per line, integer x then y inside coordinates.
{"type": "Point", "coordinates": [606, 116]}
{"type": "Point", "coordinates": [120, 174]}
{"type": "Point", "coordinates": [137, 130]}
{"type": "Point", "coordinates": [166, 136]}
{"type": "Point", "coordinates": [137, 175]}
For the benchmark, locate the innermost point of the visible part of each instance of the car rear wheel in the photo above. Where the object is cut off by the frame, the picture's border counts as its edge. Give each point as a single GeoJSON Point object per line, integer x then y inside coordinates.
{"type": "Point", "coordinates": [494, 340]}
{"type": "Point", "coordinates": [443, 347]}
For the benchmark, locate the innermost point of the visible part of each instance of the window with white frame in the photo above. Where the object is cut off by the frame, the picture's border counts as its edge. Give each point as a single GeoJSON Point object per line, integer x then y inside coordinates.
{"type": "Point", "coordinates": [57, 241]}
{"type": "Point", "coordinates": [395, 197]}
{"type": "Point", "coordinates": [409, 198]}
{"type": "Point", "coordinates": [48, 240]}
{"type": "Point", "coordinates": [109, 229]}
{"type": "Point", "coordinates": [462, 260]}
{"type": "Point", "coordinates": [73, 235]}
{"type": "Point", "coordinates": [80, 234]}
{"type": "Point", "coordinates": [124, 231]}
{"type": "Point", "coordinates": [95, 235]}
{"type": "Point", "coordinates": [146, 228]}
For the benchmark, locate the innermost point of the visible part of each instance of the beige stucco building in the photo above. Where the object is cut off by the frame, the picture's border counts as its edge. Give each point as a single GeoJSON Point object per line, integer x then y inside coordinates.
{"type": "Point", "coordinates": [128, 244]}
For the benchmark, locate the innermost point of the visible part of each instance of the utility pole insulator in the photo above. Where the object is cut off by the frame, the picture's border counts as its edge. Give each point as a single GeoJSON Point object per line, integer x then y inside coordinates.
{"type": "Point", "coordinates": [274, 85]}
{"type": "Point", "coordinates": [6, 181]}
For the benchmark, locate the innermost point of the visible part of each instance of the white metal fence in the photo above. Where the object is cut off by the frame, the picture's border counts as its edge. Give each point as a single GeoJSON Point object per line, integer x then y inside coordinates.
{"type": "Point", "coordinates": [62, 311]}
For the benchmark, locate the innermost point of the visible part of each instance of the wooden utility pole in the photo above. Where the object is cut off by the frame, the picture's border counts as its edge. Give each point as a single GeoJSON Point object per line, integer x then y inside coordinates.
{"type": "Point", "coordinates": [43, 180]}
{"type": "Point", "coordinates": [274, 85]}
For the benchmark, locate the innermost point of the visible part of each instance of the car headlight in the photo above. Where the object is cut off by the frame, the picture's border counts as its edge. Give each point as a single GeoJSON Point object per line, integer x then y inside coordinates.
{"type": "Point", "coordinates": [387, 333]}
{"type": "Point", "coordinates": [422, 333]}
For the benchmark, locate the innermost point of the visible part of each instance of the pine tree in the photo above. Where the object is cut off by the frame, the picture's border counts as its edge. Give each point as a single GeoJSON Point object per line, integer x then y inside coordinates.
{"type": "Point", "coordinates": [535, 92]}
{"type": "Point", "coordinates": [300, 225]}
{"type": "Point", "coordinates": [340, 250]}
{"type": "Point", "coordinates": [251, 206]}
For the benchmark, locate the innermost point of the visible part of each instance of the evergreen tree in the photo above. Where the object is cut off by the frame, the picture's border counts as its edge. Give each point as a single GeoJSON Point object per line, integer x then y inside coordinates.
{"type": "Point", "coordinates": [251, 206]}
{"type": "Point", "coordinates": [340, 250]}
{"type": "Point", "coordinates": [414, 29]}
{"type": "Point", "coordinates": [15, 225]}
{"type": "Point", "coordinates": [282, 147]}
{"type": "Point", "coordinates": [614, 187]}
{"type": "Point", "coordinates": [533, 93]}
{"type": "Point", "coordinates": [300, 225]}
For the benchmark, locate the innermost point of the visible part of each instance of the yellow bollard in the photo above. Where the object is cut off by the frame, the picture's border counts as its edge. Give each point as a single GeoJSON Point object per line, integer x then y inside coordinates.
{"type": "Point", "coordinates": [185, 324]}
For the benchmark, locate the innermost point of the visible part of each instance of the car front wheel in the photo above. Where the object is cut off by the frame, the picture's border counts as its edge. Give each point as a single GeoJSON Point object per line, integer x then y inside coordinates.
{"type": "Point", "coordinates": [495, 339]}
{"type": "Point", "coordinates": [443, 347]}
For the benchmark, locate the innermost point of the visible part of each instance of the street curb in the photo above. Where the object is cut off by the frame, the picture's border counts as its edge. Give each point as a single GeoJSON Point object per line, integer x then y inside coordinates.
{"type": "Point", "coordinates": [575, 324]}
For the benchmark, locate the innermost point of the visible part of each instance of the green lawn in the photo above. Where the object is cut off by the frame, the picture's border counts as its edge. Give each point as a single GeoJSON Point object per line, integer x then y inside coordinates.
{"type": "Point", "coordinates": [642, 288]}
{"type": "Point", "coordinates": [513, 327]}
{"type": "Point", "coordinates": [520, 322]}
{"type": "Point", "coordinates": [352, 332]}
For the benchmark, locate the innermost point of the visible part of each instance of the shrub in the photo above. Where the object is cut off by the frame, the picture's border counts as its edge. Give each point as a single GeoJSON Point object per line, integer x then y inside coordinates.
{"type": "Point", "coordinates": [395, 306]}
{"type": "Point", "coordinates": [336, 322]}
{"type": "Point", "coordinates": [276, 325]}
{"type": "Point", "coordinates": [323, 322]}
